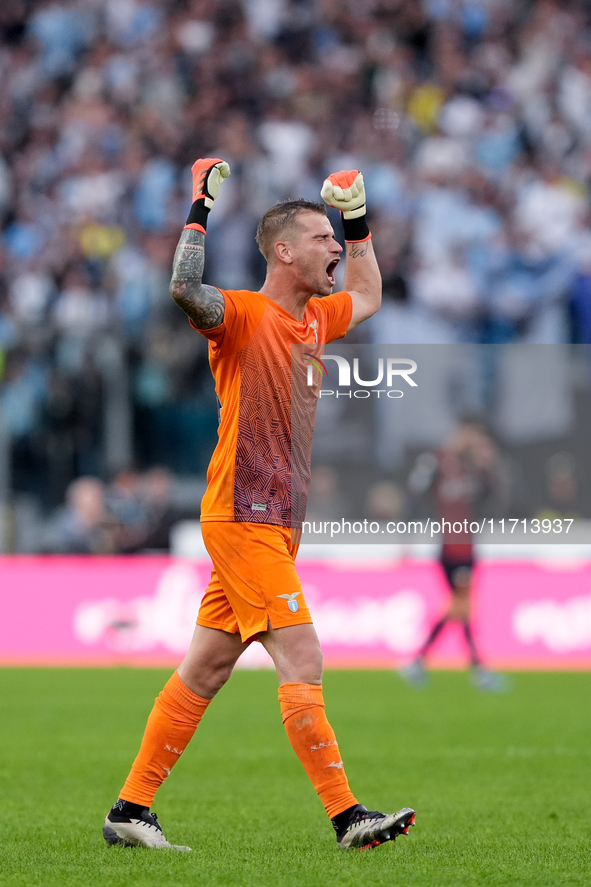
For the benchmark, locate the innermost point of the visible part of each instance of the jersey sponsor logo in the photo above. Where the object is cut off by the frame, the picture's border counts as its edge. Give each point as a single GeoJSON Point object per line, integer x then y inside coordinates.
{"type": "Point", "coordinates": [258, 507]}
{"type": "Point", "coordinates": [291, 600]}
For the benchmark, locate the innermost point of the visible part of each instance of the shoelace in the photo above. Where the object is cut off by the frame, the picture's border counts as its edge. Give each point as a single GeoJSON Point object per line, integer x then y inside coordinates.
{"type": "Point", "coordinates": [155, 822]}
{"type": "Point", "coordinates": [363, 818]}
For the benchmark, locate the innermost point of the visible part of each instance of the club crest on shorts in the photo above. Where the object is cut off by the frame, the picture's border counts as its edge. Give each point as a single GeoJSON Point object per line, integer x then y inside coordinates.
{"type": "Point", "coordinates": [291, 600]}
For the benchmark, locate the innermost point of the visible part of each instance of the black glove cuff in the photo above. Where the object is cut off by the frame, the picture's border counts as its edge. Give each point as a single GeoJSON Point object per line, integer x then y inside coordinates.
{"type": "Point", "coordinates": [198, 214]}
{"type": "Point", "coordinates": [355, 229]}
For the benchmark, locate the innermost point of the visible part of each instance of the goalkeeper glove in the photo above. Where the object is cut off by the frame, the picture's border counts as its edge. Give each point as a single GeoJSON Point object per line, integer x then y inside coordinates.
{"type": "Point", "coordinates": [345, 191]}
{"type": "Point", "coordinates": [208, 175]}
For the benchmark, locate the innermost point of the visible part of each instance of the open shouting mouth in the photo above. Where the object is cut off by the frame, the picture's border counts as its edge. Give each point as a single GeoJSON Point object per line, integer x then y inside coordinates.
{"type": "Point", "coordinates": [330, 270]}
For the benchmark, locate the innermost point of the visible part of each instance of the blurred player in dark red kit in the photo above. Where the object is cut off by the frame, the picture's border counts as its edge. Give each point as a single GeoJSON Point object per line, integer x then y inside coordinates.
{"type": "Point", "coordinates": [459, 476]}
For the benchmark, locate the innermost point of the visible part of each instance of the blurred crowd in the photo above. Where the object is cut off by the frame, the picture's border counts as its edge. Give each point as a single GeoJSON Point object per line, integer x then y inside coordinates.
{"type": "Point", "coordinates": [471, 121]}
{"type": "Point", "coordinates": [134, 512]}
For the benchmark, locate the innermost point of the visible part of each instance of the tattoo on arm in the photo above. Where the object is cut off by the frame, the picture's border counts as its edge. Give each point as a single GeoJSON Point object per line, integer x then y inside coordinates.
{"type": "Point", "coordinates": [358, 249]}
{"type": "Point", "coordinates": [203, 304]}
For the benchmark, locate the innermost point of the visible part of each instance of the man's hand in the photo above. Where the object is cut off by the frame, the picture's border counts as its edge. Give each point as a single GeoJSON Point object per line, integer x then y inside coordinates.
{"type": "Point", "coordinates": [204, 305]}
{"type": "Point", "coordinates": [345, 191]}
{"type": "Point", "coordinates": [208, 175]}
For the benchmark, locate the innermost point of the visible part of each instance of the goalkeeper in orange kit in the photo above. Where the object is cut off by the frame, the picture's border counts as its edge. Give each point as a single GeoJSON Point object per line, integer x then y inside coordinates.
{"type": "Point", "coordinates": [248, 525]}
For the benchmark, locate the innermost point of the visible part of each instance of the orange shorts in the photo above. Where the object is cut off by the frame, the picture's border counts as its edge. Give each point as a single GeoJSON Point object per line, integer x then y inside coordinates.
{"type": "Point", "coordinates": [253, 581]}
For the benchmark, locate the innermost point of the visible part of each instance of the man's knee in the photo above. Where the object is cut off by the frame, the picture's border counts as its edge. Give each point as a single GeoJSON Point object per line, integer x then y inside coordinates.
{"type": "Point", "coordinates": [296, 653]}
{"type": "Point", "coordinates": [210, 660]}
{"type": "Point", "coordinates": [205, 678]}
{"type": "Point", "coordinates": [307, 668]}
{"type": "Point", "coordinates": [218, 675]}
{"type": "Point", "coordinates": [315, 668]}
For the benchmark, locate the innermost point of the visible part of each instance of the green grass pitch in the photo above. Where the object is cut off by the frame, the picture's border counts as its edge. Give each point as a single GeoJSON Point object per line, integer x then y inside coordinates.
{"type": "Point", "coordinates": [500, 783]}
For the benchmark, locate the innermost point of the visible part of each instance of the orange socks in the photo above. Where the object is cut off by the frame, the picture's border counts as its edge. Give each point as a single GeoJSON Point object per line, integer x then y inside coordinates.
{"type": "Point", "coordinates": [177, 713]}
{"type": "Point", "coordinates": [172, 722]}
{"type": "Point", "coordinates": [313, 740]}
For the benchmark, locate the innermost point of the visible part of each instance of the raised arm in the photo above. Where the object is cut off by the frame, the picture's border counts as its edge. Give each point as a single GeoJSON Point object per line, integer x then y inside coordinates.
{"type": "Point", "coordinates": [203, 304]}
{"type": "Point", "coordinates": [346, 192]}
{"type": "Point", "coordinates": [362, 280]}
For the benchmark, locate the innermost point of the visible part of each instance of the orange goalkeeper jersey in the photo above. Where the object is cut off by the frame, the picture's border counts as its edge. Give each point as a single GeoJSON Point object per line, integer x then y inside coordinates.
{"type": "Point", "coordinates": [250, 473]}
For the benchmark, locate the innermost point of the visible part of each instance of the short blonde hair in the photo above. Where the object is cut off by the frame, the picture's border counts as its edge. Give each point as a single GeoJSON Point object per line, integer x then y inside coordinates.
{"type": "Point", "coordinates": [283, 217]}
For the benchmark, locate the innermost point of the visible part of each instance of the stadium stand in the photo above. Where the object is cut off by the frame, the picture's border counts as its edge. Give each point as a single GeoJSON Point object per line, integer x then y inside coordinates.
{"type": "Point", "coordinates": [470, 120]}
